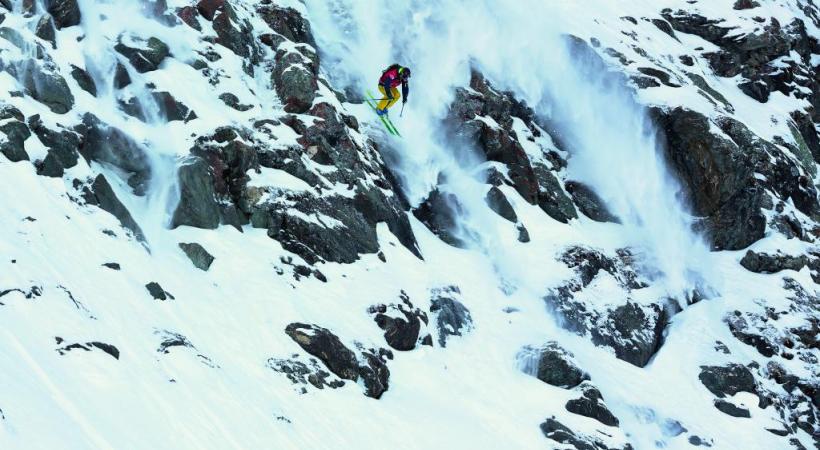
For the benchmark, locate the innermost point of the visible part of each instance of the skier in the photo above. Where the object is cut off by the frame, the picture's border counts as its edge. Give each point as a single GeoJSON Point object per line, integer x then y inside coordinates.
{"type": "Point", "coordinates": [391, 78]}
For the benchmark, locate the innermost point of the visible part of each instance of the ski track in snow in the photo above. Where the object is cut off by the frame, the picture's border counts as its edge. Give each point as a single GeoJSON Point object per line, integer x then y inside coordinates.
{"type": "Point", "coordinates": [470, 394]}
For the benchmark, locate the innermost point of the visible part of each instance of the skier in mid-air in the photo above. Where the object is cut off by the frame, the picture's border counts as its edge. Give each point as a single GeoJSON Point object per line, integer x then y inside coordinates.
{"type": "Point", "coordinates": [391, 78]}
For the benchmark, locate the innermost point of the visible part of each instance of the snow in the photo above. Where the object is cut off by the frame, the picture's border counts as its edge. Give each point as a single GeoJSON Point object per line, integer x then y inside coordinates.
{"type": "Point", "coordinates": [471, 394]}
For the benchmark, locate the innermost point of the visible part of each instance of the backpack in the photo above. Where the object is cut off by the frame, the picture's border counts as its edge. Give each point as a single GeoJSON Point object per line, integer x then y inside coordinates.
{"type": "Point", "coordinates": [392, 66]}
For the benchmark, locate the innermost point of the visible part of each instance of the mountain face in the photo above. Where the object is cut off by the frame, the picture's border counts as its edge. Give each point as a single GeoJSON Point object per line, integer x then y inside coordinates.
{"type": "Point", "coordinates": [597, 231]}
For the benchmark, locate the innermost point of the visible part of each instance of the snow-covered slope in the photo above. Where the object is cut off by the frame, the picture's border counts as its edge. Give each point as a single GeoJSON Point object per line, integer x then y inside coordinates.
{"type": "Point", "coordinates": [597, 232]}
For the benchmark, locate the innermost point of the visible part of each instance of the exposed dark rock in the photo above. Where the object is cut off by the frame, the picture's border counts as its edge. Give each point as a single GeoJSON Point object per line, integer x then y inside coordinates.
{"type": "Point", "coordinates": [440, 212]}
{"type": "Point", "coordinates": [727, 380]}
{"type": "Point", "coordinates": [591, 404]}
{"type": "Point", "coordinates": [523, 233]}
{"type": "Point", "coordinates": [757, 89]}
{"type": "Point", "coordinates": [745, 4]}
{"type": "Point", "coordinates": [157, 292]}
{"type": "Point", "coordinates": [301, 373]}
{"type": "Point", "coordinates": [375, 375]}
{"type": "Point", "coordinates": [452, 317]}
{"type": "Point", "coordinates": [401, 323]}
{"type": "Point", "coordinates": [121, 77]}
{"type": "Point", "coordinates": [323, 344]}
{"type": "Point", "coordinates": [232, 101]}
{"type": "Point", "coordinates": [84, 80]}
{"type": "Point", "coordinates": [482, 117]}
{"type": "Point", "coordinates": [498, 202]}
{"type": "Point", "coordinates": [108, 348]}
{"type": "Point", "coordinates": [112, 266]}
{"type": "Point", "coordinates": [45, 30]}
{"type": "Point", "coordinates": [190, 16]}
{"type": "Point", "coordinates": [634, 331]}
{"type": "Point", "coordinates": [665, 27]}
{"type": "Point", "coordinates": [88, 346]}
{"type": "Point", "coordinates": [288, 23]}
{"type": "Point", "coordinates": [772, 263]}
{"type": "Point", "coordinates": [109, 145]}
{"type": "Point", "coordinates": [295, 79]}
{"type": "Point", "coordinates": [732, 410]}
{"type": "Point", "coordinates": [16, 132]}
{"type": "Point", "coordinates": [62, 146]}
{"type": "Point", "coordinates": [553, 365]}
{"type": "Point", "coordinates": [551, 196]}
{"type": "Point", "coordinates": [589, 262]}
{"type": "Point", "coordinates": [752, 333]}
{"type": "Point", "coordinates": [718, 171]}
{"type": "Point", "coordinates": [209, 8]}
{"type": "Point", "coordinates": [235, 34]}
{"type": "Point", "coordinates": [99, 193]}
{"type": "Point", "coordinates": [47, 86]}
{"type": "Point", "coordinates": [197, 205]}
{"type": "Point", "coordinates": [558, 432]}
{"type": "Point", "coordinates": [660, 75]}
{"type": "Point", "coordinates": [66, 13]}
{"type": "Point", "coordinates": [198, 255]}
{"type": "Point", "coordinates": [170, 340]}
{"type": "Point", "coordinates": [589, 202]}
{"type": "Point", "coordinates": [145, 56]}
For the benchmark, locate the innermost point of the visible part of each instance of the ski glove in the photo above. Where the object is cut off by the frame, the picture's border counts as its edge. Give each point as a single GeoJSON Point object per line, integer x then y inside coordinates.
{"type": "Point", "coordinates": [405, 91]}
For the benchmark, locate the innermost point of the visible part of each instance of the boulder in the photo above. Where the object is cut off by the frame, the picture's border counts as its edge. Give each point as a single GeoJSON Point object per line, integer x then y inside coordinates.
{"type": "Point", "coordinates": [551, 196]}
{"type": "Point", "coordinates": [727, 380]}
{"type": "Point", "coordinates": [554, 365]}
{"type": "Point", "coordinates": [401, 323]}
{"type": "Point", "coordinates": [48, 87]}
{"type": "Point", "coordinates": [589, 202]}
{"type": "Point", "coordinates": [591, 404]}
{"type": "Point", "coordinates": [197, 205]}
{"type": "Point", "coordinates": [200, 257]}
{"type": "Point", "coordinates": [323, 344]}
{"type": "Point", "coordinates": [558, 432]}
{"type": "Point", "coordinates": [16, 132]}
{"type": "Point", "coordinates": [718, 173]}
{"type": "Point", "coordinates": [772, 263]}
{"type": "Point", "coordinates": [440, 212]}
{"type": "Point", "coordinates": [451, 316]}
{"type": "Point", "coordinates": [145, 56]}
{"type": "Point", "coordinates": [121, 77]}
{"type": "Point", "coordinates": [190, 16]}
{"type": "Point", "coordinates": [84, 80]}
{"type": "Point", "coordinates": [109, 145]}
{"type": "Point", "coordinates": [158, 292]}
{"type": "Point", "coordinates": [209, 8]}
{"type": "Point", "coordinates": [232, 101]}
{"type": "Point", "coordinates": [45, 30]}
{"type": "Point", "coordinates": [63, 146]}
{"type": "Point", "coordinates": [632, 330]}
{"type": "Point", "coordinates": [498, 202]}
{"type": "Point", "coordinates": [288, 23]}
{"type": "Point", "coordinates": [66, 13]}
{"type": "Point", "coordinates": [732, 410]}
{"type": "Point", "coordinates": [236, 35]}
{"type": "Point", "coordinates": [295, 82]}
{"type": "Point", "coordinates": [99, 193]}
{"type": "Point", "coordinates": [375, 375]}
{"type": "Point", "coordinates": [173, 109]}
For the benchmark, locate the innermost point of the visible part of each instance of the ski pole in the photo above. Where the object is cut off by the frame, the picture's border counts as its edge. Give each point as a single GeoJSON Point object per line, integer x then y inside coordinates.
{"type": "Point", "coordinates": [402, 109]}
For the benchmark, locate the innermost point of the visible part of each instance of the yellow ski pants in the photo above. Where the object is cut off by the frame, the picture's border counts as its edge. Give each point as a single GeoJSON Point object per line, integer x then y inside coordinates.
{"type": "Point", "coordinates": [386, 103]}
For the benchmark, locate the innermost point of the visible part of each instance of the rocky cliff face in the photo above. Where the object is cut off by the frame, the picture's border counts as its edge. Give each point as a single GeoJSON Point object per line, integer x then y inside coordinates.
{"type": "Point", "coordinates": [195, 213]}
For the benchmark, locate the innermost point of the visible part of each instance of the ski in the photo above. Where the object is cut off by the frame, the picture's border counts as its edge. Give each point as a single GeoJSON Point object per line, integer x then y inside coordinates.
{"type": "Point", "coordinates": [371, 100]}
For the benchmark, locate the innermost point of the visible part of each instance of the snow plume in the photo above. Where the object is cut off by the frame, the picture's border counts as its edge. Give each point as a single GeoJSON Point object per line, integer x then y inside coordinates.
{"type": "Point", "coordinates": [521, 47]}
{"type": "Point", "coordinates": [105, 22]}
